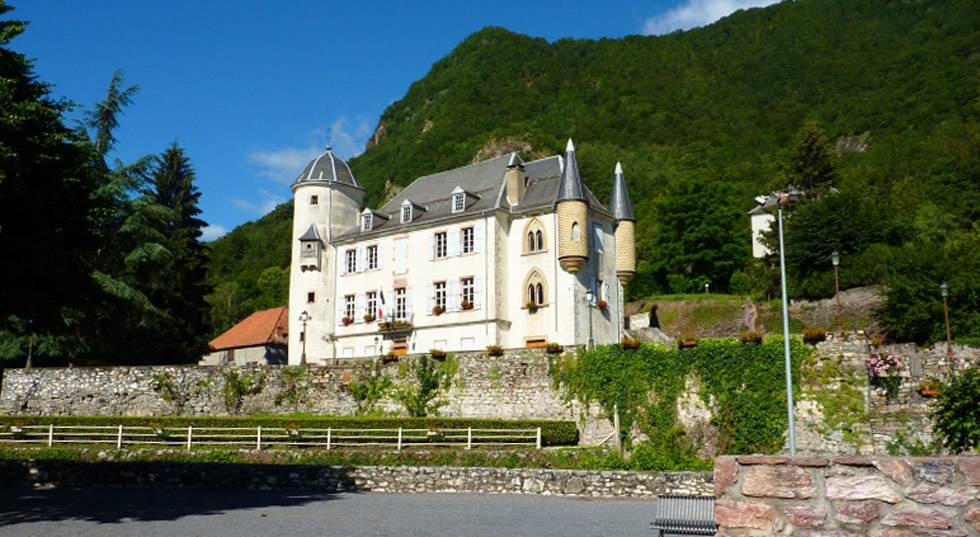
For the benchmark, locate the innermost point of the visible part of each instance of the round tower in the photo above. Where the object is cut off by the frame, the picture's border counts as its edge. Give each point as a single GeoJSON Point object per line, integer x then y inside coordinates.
{"type": "Point", "coordinates": [622, 211]}
{"type": "Point", "coordinates": [572, 212]}
{"type": "Point", "coordinates": [326, 201]}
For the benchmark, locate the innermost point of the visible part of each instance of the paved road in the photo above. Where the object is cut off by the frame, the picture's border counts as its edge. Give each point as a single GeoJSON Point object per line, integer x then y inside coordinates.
{"type": "Point", "coordinates": [218, 513]}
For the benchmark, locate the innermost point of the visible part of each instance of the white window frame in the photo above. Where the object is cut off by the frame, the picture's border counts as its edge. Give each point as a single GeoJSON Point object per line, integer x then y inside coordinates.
{"type": "Point", "coordinates": [372, 303]}
{"type": "Point", "coordinates": [468, 286]}
{"type": "Point", "coordinates": [401, 303]}
{"type": "Point", "coordinates": [372, 257]}
{"type": "Point", "coordinates": [468, 235]}
{"type": "Point", "coordinates": [459, 202]}
{"type": "Point", "coordinates": [350, 306]}
{"type": "Point", "coordinates": [406, 213]}
{"type": "Point", "coordinates": [441, 245]}
{"type": "Point", "coordinates": [441, 294]}
{"type": "Point", "coordinates": [367, 221]}
{"type": "Point", "coordinates": [350, 260]}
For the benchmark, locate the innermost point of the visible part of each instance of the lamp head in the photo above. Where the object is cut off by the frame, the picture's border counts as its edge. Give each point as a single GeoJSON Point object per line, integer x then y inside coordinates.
{"type": "Point", "coordinates": [588, 296]}
{"type": "Point", "coordinates": [835, 258]}
{"type": "Point", "coordinates": [303, 317]}
{"type": "Point", "coordinates": [944, 289]}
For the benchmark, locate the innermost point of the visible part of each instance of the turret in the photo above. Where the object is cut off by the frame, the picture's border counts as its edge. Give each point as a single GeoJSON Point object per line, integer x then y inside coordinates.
{"type": "Point", "coordinates": [572, 209]}
{"type": "Point", "coordinates": [622, 211]}
{"type": "Point", "coordinates": [326, 202]}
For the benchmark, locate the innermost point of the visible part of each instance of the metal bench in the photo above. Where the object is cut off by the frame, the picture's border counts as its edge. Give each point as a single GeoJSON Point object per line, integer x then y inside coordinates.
{"type": "Point", "coordinates": [685, 515]}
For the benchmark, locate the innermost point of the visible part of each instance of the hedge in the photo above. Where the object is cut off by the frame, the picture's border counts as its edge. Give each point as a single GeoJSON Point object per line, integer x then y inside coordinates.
{"type": "Point", "coordinates": [553, 432]}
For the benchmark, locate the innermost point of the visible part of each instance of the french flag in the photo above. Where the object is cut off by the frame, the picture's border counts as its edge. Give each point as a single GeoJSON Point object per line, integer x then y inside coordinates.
{"type": "Point", "coordinates": [381, 304]}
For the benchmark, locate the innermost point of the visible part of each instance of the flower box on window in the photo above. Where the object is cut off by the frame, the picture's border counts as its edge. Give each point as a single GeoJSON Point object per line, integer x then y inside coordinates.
{"type": "Point", "coordinates": [466, 305]}
{"type": "Point", "coordinates": [438, 310]}
{"type": "Point", "coordinates": [531, 307]}
{"type": "Point", "coordinates": [602, 305]}
{"type": "Point", "coordinates": [347, 320]}
{"type": "Point", "coordinates": [369, 318]}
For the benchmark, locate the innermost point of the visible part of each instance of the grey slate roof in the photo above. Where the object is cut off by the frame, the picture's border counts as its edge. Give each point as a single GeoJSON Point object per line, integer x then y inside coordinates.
{"type": "Point", "coordinates": [311, 234]}
{"type": "Point", "coordinates": [483, 183]}
{"type": "Point", "coordinates": [570, 187]}
{"type": "Point", "coordinates": [327, 167]}
{"type": "Point", "coordinates": [620, 205]}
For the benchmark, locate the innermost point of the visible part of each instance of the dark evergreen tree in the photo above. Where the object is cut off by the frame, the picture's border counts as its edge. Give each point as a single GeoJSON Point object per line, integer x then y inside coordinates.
{"type": "Point", "coordinates": [50, 199]}
{"type": "Point", "coordinates": [183, 298]}
{"type": "Point", "coordinates": [812, 163]}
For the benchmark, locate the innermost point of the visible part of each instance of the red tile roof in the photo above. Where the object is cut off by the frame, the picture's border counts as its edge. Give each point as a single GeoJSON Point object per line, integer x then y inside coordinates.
{"type": "Point", "coordinates": [260, 328]}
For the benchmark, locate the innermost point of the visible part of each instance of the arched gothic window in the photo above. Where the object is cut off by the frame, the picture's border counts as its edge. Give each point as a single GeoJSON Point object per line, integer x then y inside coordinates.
{"type": "Point", "coordinates": [535, 289]}
{"type": "Point", "coordinates": [534, 233]}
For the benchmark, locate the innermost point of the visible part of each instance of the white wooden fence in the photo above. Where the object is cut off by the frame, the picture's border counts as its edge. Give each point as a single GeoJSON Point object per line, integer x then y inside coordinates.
{"type": "Point", "coordinates": [262, 437]}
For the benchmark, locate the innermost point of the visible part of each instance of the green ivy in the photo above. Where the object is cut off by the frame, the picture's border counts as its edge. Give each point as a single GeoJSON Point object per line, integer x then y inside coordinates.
{"type": "Point", "coordinates": [238, 385]}
{"type": "Point", "coordinates": [743, 383]}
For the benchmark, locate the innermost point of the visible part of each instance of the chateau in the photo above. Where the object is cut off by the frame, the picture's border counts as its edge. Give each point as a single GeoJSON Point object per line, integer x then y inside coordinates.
{"type": "Point", "coordinates": [500, 252]}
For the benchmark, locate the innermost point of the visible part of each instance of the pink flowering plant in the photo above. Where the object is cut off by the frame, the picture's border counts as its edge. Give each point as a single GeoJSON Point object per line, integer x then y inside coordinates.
{"type": "Point", "coordinates": [885, 369]}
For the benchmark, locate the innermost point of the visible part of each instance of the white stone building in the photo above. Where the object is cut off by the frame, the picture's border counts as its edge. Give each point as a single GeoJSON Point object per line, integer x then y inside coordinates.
{"type": "Point", "coordinates": [762, 221]}
{"type": "Point", "coordinates": [500, 252]}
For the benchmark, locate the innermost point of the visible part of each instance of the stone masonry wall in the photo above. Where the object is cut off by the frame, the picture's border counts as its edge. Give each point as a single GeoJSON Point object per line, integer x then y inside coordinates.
{"type": "Point", "coordinates": [575, 483]}
{"type": "Point", "coordinates": [514, 386]}
{"type": "Point", "coordinates": [847, 496]}
{"type": "Point", "coordinates": [841, 411]}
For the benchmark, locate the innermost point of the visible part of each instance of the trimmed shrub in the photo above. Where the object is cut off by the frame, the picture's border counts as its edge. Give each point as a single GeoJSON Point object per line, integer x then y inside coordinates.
{"type": "Point", "coordinates": [957, 414]}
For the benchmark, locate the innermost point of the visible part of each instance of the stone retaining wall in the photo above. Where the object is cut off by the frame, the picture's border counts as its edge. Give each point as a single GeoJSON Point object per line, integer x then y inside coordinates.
{"type": "Point", "coordinates": [576, 483]}
{"type": "Point", "coordinates": [848, 496]}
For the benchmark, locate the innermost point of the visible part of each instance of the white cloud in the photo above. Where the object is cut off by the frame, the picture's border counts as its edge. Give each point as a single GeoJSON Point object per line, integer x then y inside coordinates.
{"type": "Point", "coordinates": [267, 202]}
{"type": "Point", "coordinates": [283, 164]}
{"type": "Point", "coordinates": [697, 13]}
{"type": "Point", "coordinates": [212, 232]}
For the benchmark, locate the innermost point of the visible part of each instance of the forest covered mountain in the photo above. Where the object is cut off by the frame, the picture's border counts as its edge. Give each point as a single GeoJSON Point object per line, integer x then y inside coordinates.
{"type": "Point", "coordinates": [881, 98]}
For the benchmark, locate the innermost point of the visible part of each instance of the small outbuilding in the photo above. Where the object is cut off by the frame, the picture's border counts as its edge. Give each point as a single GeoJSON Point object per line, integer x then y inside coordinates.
{"type": "Point", "coordinates": [261, 338]}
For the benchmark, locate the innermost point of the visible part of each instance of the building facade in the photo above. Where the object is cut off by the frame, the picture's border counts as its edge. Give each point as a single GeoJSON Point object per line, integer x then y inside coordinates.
{"type": "Point", "coordinates": [500, 252]}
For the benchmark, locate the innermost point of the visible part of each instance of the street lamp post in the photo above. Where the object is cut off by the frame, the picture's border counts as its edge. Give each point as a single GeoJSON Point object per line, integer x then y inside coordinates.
{"type": "Point", "coordinates": [777, 199]}
{"type": "Point", "coordinates": [304, 318]}
{"type": "Point", "coordinates": [944, 290]}
{"type": "Point", "coordinates": [588, 299]}
{"type": "Point", "coordinates": [835, 259]}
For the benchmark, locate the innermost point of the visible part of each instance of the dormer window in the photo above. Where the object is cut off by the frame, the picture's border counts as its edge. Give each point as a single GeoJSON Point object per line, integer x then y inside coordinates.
{"type": "Point", "coordinates": [310, 248]}
{"type": "Point", "coordinates": [366, 222]}
{"type": "Point", "coordinates": [406, 212]}
{"type": "Point", "coordinates": [459, 200]}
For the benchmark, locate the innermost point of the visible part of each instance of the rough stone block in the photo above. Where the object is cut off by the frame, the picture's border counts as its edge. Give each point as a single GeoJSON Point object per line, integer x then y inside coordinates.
{"type": "Point", "coordinates": [854, 461]}
{"type": "Point", "coordinates": [917, 517]}
{"type": "Point", "coordinates": [970, 467]}
{"type": "Point", "coordinates": [812, 462]}
{"type": "Point", "coordinates": [934, 470]}
{"type": "Point", "coordinates": [733, 514]}
{"type": "Point", "coordinates": [778, 482]}
{"type": "Point", "coordinates": [806, 516]}
{"type": "Point", "coordinates": [726, 473]}
{"type": "Point", "coordinates": [933, 493]}
{"type": "Point", "coordinates": [761, 459]}
{"type": "Point", "coordinates": [899, 470]}
{"type": "Point", "coordinates": [973, 515]}
{"type": "Point", "coordinates": [861, 487]}
{"type": "Point", "coordinates": [857, 512]}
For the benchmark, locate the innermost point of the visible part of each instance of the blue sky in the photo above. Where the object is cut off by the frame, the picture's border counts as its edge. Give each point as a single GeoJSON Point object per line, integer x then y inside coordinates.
{"type": "Point", "coordinates": [252, 90]}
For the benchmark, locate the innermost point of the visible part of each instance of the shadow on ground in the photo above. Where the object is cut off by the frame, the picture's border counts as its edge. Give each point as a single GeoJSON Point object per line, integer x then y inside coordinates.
{"type": "Point", "coordinates": [114, 505]}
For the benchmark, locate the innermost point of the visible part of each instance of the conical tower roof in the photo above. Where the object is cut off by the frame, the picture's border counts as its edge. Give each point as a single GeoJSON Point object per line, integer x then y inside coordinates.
{"type": "Point", "coordinates": [620, 205]}
{"type": "Point", "coordinates": [570, 187]}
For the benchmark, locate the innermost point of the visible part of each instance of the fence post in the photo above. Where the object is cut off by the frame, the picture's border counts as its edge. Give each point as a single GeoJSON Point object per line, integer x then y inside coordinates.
{"type": "Point", "coordinates": [189, 428]}
{"type": "Point", "coordinates": [399, 439]}
{"type": "Point", "coordinates": [119, 438]}
{"type": "Point", "coordinates": [50, 435]}
{"type": "Point", "coordinates": [538, 439]}
{"type": "Point", "coordinates": [258, 438]}
{"type": "Point", "coordinates": [469, 438]}
{"type": "Point", "coordinates": [329, 431]}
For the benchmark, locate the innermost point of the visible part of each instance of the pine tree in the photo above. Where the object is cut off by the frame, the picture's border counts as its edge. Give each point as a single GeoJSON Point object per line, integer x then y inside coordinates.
{"type": "Point", "coordinates": [184, 298]}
